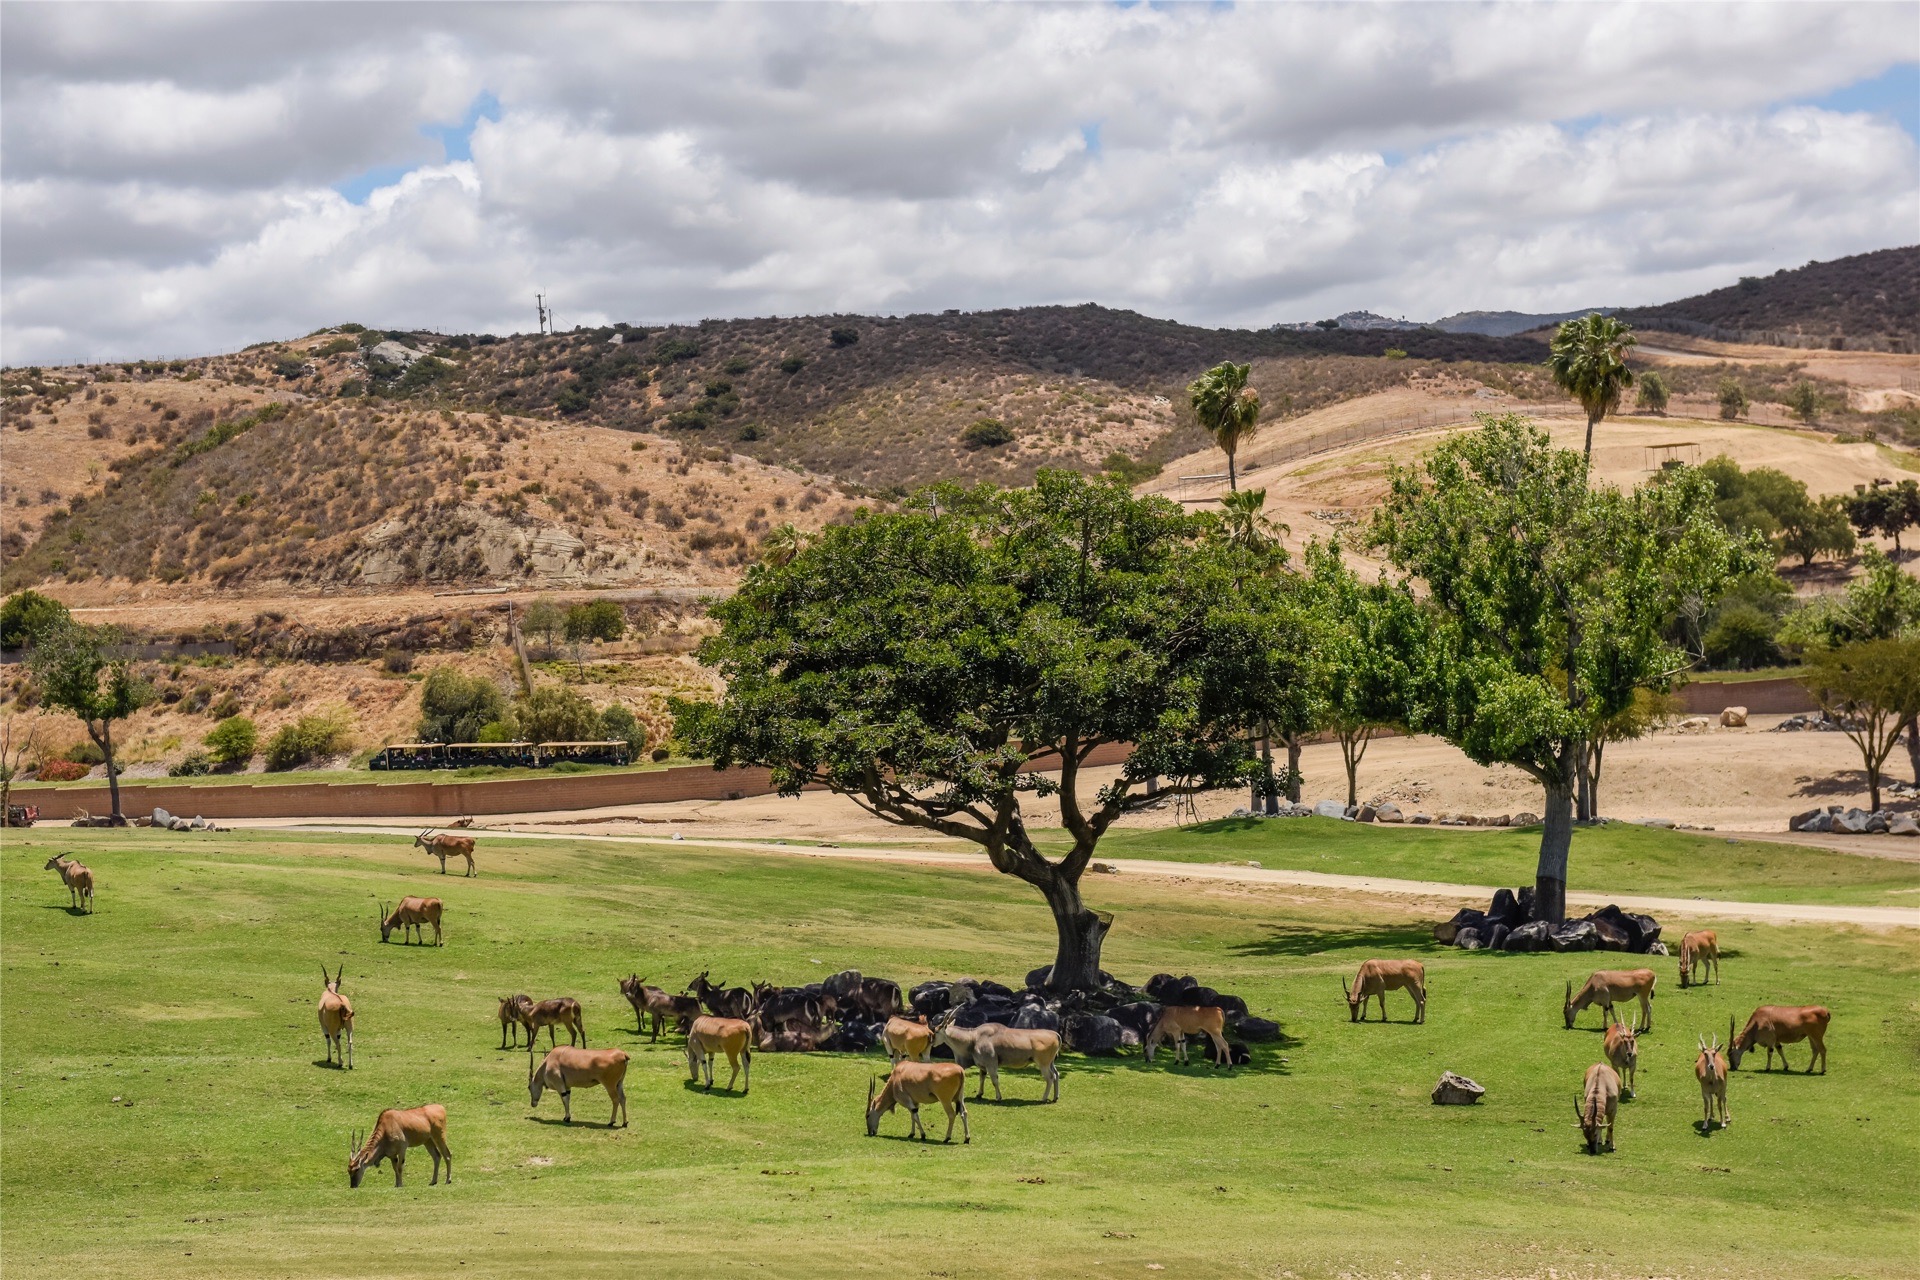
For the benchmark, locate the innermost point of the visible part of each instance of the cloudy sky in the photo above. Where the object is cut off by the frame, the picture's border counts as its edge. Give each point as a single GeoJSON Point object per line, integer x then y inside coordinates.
{"type": "Point", "coordinates": [180, 179]}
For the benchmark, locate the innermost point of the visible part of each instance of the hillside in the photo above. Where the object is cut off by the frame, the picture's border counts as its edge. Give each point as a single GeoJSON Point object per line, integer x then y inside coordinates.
{"type": "Point", "coordinates": [1861, 301]}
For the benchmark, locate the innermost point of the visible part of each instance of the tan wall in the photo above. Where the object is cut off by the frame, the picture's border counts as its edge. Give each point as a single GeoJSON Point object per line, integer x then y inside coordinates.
{"type": "Point", "coordinates": [1785, 696]}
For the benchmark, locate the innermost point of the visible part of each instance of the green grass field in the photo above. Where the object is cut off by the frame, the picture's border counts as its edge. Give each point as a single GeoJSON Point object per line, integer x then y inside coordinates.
{"type": "Point", "coordinates": [163, 1107]}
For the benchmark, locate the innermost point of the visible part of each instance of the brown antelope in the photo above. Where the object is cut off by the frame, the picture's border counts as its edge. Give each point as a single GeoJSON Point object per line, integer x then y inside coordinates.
{"type": "Point", "coordinates": [409, 917]}
{"type": "Point", "coordinates": [731, 1036]}
{"type": "Point", "coordinates": [722, 1002]}
{"type": "Point", "coordinates": [1776, 1026]}
{"type": "Point", "coordinates": [652, 1002]}
{"type": "Point", "coordinates": [1623, 1053]}
{"type": "Point", "coordinates": [465, 821]}
{"type": "Point", "coordinates": [561, 1012]}
{"type": "Point", "coordinates": [1178, 1021]}
{"type": "Point", "coordinates": [1699, 952]}
{"type": "Point", "coordinates": [1608, 987]}
{"type": "Point", "coordinates": [1710, 1069]}
{"type": "Point", "coordinates": [336, 1017]}
{"type": "Point", "coordinates": [566, 1068]}
{"type": "Point", "coordinates": [513, 1012]}
{"type": "Point", "coordinates": [908, 1038]}
{"type": "Point", "coordinates": [393, 1133]}
{"type": "Point", "coordinates": [1596, 1106]}
{"type": "Point", "coordinates": [77, 878]}
{"type": "Point", "coordinates": [913, 1085]}
{"type": "Point", "coordinates": [1377, 977]}
{"type": "Point", "coordinates": [993, 1045]}
{"type": "Point", "coordinates": [444, 847]}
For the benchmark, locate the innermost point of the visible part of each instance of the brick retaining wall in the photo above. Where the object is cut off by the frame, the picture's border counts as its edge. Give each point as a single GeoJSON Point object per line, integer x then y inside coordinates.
{"type": "Point", "coordinates": [1784, 696]}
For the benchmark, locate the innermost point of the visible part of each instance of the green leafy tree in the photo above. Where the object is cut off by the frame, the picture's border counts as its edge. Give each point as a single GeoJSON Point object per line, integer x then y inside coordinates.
{"type": "Point", "coordinates": [1733, 400]}
{"type": "Point", "coordinates": [1651, 392]}
{"type": "Point", "coordinates": [1885, 509]}
{"type": "Point", "coordinates": [555, 713]}
{"type": "Point", "coordinates": [232, 741]}
{"type": "Point", "coordinates": [1872, 690]}
{"type": "Point", "coordinates": [1741, 638]}
{"type": "Point", "coordinates": [987, 433]}
{"type": "Point", "coordinates": [544, 618]}
{"type": "Point", "coordinates": [1369, 649]}
{"type": "Point", "coordinates": [1804, 400]}
{"type": "Point", "coordinates": [1548, 603]}
{"type": "Point", "coordinates": [73, 672]}
{"type": "Point", "coordinates": [1588, 360]}
{"type": "Point", "coordinates": [618, 723]}
{"type": "Point", "coordinates": [1883, 602]}
{"type": "Point", "coordinates": [1228, 409]}
{"type": "Point", "coordinates": [456, 707]}
{"type": "Point", "coordinates": [927, 662]}
{"type": "Point", "coordinates": [1816, 529]}
{"type": "Point", "coordinates": [595, 620]}
{"type": "Point", "coordinates": [26, 616]}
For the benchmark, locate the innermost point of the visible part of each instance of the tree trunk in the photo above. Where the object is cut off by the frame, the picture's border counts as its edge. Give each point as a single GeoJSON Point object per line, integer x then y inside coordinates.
{"type": "Point", "coordinates": [1913, 750]}
{"type": "Point", "coordinates": [1592, 418]}
{"type": "Point", "coordinates": [1266, 759]}
{"type": "Point", "coordinates": [1593, 782]}
{"type": "Point", "coordinates": [1873, 784]}
{"type": "Point", "coordinates": [104, 740]}
{"type": "Point", "coordinates": [1233, 482]}
{"type": "Point", "coordinates": [1293, 768]}
{"type": "Point", "coordinates": [1556, 842]}
{"type": "Point", "coordinates": [1583, 779]}
{"type": "Point", "coordinates": [1076, 964]}
{"type": "Point", "coordinates": [1353, 748]}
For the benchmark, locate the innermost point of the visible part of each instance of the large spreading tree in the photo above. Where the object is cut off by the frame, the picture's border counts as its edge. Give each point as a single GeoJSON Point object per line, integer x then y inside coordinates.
{"type": "Point", "coordinates": [955, 665]}
{"type": "Point", "coordinates": [75, 672]}
{"type": "Point", "coordinates": [1547, 603]}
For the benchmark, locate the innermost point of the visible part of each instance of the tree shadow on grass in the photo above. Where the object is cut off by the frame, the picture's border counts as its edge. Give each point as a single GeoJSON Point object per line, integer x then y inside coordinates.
{"type": "Point", "coordinates": [1307, 940]}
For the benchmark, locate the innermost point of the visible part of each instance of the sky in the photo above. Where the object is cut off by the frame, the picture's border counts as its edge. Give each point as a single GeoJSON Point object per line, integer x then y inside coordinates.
{"type": "Point", "coordinates": [183, 179]}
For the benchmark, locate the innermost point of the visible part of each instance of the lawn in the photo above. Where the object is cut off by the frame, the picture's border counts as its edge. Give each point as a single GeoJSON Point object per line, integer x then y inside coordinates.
{"type": "Point", "coordinates": [164, 1109]}
{"type": "Point", "coordinates": [1616, 858]}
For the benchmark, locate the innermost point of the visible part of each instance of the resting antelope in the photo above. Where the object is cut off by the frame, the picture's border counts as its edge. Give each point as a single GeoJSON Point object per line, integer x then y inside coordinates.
{"type": "Point", "coordinates": [731, 1036]}
{"type": "Point", "coordinates": [1710, 1069]}
{"type": "Point", "coordinates": [444, 847]}
{"type": "Point", "coordinates": [1595, 1108]}
{"type": "Point", "coordinates": [561, 1012]}
{"type": "Point", "coordinates": [393, 1133]}
{"type": "Point", "coordinates": [1776, 1026]}
{"type": "Point", "coordinates": [1622, 1048]}
{"type": "Point", "coordinates": [76, 877]}
{"type": "Point", "coordinates": [1608, 987]}
{"type": "Point", "coordinates": [908, 1038]}
{"type": "Point", "coordinates": [1178, 1021]}
{"type": "Point", "coordinates": [336, 1017]}
{"type": "Point", "coordinates": [913, 1085]}
{"type": "Point", "coordinates": [1699, 951]}
{"type": "Point", "coordinates": [513, 1012]}
{"type": "Point", "coordinates": [1377, 977]}
{"type": "Point", "coordinates": [566, 1068]}
{"type": "Point", "coordinates": [409, 917]}
{"type": "Point", "coordinates": [992, 1045]}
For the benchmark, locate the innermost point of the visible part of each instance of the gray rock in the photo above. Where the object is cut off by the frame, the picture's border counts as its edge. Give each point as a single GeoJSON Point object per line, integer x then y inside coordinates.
{"type": "Point", "coordinates": [161, 818]}
{"type": "Point", "coordinates": [1576, 935]}
{"type": "Point", "coordinates": [393, 353]}
{"type": "Point", "coordinates": [1388, 812]}
{"type": "Point", "coordinates": [1469, 940]}
{"type": "Point", "coordinates": [1903, 824]}
{"type": "Point", "coordinates": [1035, 1017]}
{"type": "Point", "coordinates": [1804, 821]}
{"type": "Point", "coordinates": [1365, 813]}
{"type": "Point", "coordinates": [1330, 809]}
{"type": "Point", "coordinates": [1257, 1030]}
{"type": "Point", "coordinates": [1497, 937]}
{"type": "Point", "coordinates": [1877, 822]}
{"type": "Point", "coordinates": [1666, 823]}
{"type": "Point", "coordinates": [1658, 949]}
{"type": "Point", "coordinates": [1853, 822]}
{"type": "Point", "coordinates": [1421, 819]}
{"type": "Point", "coordinates": [1526, 819]}
{"type": "Point", "coordinates": [1535, 935]}
{"type": "Point", "coordinates": [1092, 1033]}
{"type": "Point", "coordinates": [1456, 1091]}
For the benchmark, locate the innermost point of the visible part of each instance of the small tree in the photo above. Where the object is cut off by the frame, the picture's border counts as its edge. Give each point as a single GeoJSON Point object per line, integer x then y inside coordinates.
{"type": "Point", "coordinates": [545, 619]}
{"type": "Point", "coordinates": [617, 722]}
{"type": "Point", "coordinates": [19, 737]}
{"type": "Point", "coordinates": [232, 741]}
{"type": "Point", "coordinates": [1588, 359]}
{"type": "Point", "coordinates": [454, 707]}
{"type": "Point", "coordinates": [1733, 400]}
{"type": "Point", "coordinates": [843, 337]}
{"type": "Point", "coordinates": [309, 738]}
{"type": "Point", "coordinates": [1651, 392]}
{"type": "Point", "coordinates": [1872, 690]}
{"type": "Point", "coordinates": [781, 544]}
{"type": "Point", "coordinates": [74, 674]}
{"type": "Point", "coordinates": [1369, 648]}
{"type": "Point", "coordinates": [598, 620]}
{"type": "Point", "coordinates": [1228, 409]}
{"type": "Point", "coordinates": [26, 616]}
{"type": "Point", "coordinates": [1885, 509]}
{"type": "Point", "coordinates": [1804, 400]}
{"type": "Point", "coordinates": [1816, 529]}
{"type": "Point", "coordinates": [987, 433]}
{"type": "Point", "coordinates": [555, 713]}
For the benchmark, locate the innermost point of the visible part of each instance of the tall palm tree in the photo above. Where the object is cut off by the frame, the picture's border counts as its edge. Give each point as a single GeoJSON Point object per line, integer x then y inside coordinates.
{"type": "Point", "coordinates": [1589, 361]}
{"type": "Point", "coordinates": [1228, 408]}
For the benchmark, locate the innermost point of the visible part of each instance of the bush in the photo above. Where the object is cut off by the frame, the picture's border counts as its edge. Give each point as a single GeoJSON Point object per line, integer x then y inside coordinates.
{"type": "Point", "coordinates": [598, 620]}
{"type": "Point", "coordinates": [738, 365]}
{"type": "Point", "coordinates": [1742, 637]}
{"type": "Point", "coordinates": [63, 771]}
{"type": "Point", "coordinates": [1733, 401]}
{"type": "Point", "coordinates": [555, 713]}
{"type": "Point", "coordinates": [618, 722]}
{"type": "Point", "coordinates": [498, 731]}
{"type": "Point", "coordinates": [232, 741]}
{"type": "Point", "coordinates": [792, 365]}
{"type": "Point", "coordinates": [307, 739]}
{"type": "Point", "coordinates": [1651, 390]}
{"type": "Point", "coordinates": [455, 708]}
{"type": "Point", "coordinates": [28, 615]}
{"type": "Point", "coordinates": [661, 753]}
{"type": "Point", "coordinates": [1129, 471]}
{"type": "Point", "coordinates": [196, 765]}
{"type": "Point", "coordinates": [573, 400]}
{"type": "Point", "coordinates": [397, 661]}
{"type": "Point", "coordinates": [843, 337]}
{"type": "Point", "coordinates": [338, 347]}
{"type": "Point", "coordinates": [87, 754]}
{"type": "Point", "coordinates": [1804, 400]}
{"type": "Point", "coordinates": [988, 433]}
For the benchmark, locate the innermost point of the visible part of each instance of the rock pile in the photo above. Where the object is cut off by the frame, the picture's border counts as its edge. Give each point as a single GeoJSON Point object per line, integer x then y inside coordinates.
{"type": "Point", "coordinates": [1813, 720]}
{"type": "Point", "coordinates": [1840, 821]}
{"type": "Point", "coordinates": [1507, 926]}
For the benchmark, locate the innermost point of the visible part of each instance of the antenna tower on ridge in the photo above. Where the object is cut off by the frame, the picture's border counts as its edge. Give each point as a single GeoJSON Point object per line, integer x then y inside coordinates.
{"type": "Point", "coordinates": [545, 313]}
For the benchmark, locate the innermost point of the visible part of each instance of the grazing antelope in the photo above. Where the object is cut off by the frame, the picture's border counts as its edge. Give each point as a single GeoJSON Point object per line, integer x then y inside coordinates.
{"type": "Point", "coordinates": [1710, 1069]}
{"type": "Point", "coordinates": [409, 917]}
{"type": "Point", "coordinates": [1377, 977]}
{"type": "Point", "coordinates": [652, 1002]}
{"type": "Point", "coordinates": [513, 1012]}
{"type": "Point", "coordinates": [1596, 1106]}
{"type": "Point", "coordinates": [1608, 987]}
{"type": "Point", "coordinates": [561, 1012]}
{"type": "Point", "coordinates": [1699, 951]}
{"type": "Point", "coordinates": [76, 877]}
{"type": "Point", "coordinates": [731, 1036]}
{"type": "Point", "coordinates": [566, 1068]}
{"type": "Point", "coordinates": [993, 1045]}
{"type": "Point", "coordinates": [914, 1084]}
{"type": "Point", "coordinates": [722, 1002]}
{"type": "Point", "coordinates": [1776, 1026]}
{"type": "Point", "coordinates": [444, 847]}
{"type": "Point", "coordinates": [1623, 1053]}
{"type": "Point", "coordinates": [393, 1133]}
{"type": "Point", "coordinates": [908, 1038]}
{"type": "Point", "coordinates": [1178, 1021]}
{"type": "Point", "coordinates": [336, 1017]}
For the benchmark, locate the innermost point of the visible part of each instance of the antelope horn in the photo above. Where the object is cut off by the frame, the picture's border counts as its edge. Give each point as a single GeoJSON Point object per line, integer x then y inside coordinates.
{"type": "Point", "coordinates": [871, 1081]}
{"type": "Point", "coordinates": [1345, 989]}
{"type": "Point", "coordinates": [1569, 990]}
{"type": "Point", "coordinates": [324, 979]}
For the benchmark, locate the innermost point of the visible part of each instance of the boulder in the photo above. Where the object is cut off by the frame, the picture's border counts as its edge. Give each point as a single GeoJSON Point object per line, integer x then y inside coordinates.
{"type": "Point", "coordinates": [1536, 935]}
{"type": "Point", "coordinates": [1238, 1054]}
{"type": "Point", "coordinates": [1092, 1033]}
{"type": "Point", "coordinates": [1137, 1018]}
{"type": "Point", "coordinates": [1037, 978]}
{"type": "Point", "coordinates": [1422, 819]}
{"type": "Point", "coordinates": [1506, 908]}
{"type": "Point", "coordinates": [1733, 718]}
{"type": "Point", "coordinates": [1465, 918]}
{"type": "Point", "coordinates": [1258, 1030]}
{"type": "Point", "coordinates": [1036, 1017]}
{"type": "Point", "coordinates": [1576, 935]}
{"type": "Point", "coordinates": [1804, 821]}
{"type": "Point", "coordinates": [931, 998]}
{"type": "Point", "coordinates": [1694, 724]}
{"type": "Point", "coordinates": [1853, 822]}
{"type": "Point", "coordinates": [1364, 813]}
{"type": "Point", "coordinates": [1456, 1091]}
{"type": "Point", "coordinates": [1469, 940]}
{"type": "Point", "coordinates": [1497, 937]}
{"type": "Point", "coordinates": [1330, 809]}
{"type": "Point", "coordinates": [1612, 936]}
{"type": "Point", "coordinates": [162, 819]}
{"type": "Point", "coordinates": [1233, 1006]}
{"type": "Point", "coordinates": [1526, 819]}
{"type": "Point", "coordinates": [1648, 930]}
{"type": "Point", "coordinates": [1877, 822]}
{"type": "Point", "coordinates": [1388, 812]}
{"type": "Point", "coordinates": [1903, 824]}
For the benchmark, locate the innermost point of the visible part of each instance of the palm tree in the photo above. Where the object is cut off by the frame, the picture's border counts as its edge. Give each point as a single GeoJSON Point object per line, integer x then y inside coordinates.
{"type": "Point", "coordinates": [782, 545]}
{"type": "Point", "coordinates": [1589, 361]}
{"type": "Point", "coordinates": [1228, 408]}
{"type": "Point", "coordinates": [1244, 519]}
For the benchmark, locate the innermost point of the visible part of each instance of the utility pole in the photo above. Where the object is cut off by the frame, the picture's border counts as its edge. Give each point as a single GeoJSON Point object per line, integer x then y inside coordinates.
{"type": "Point", "coordinates": [544, 312]}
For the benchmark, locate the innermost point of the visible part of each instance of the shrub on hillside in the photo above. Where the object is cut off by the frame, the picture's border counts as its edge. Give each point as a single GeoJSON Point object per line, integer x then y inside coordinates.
{"type": "Point", "coordinates": [843, 337]}
{"type": "Point", "coordinates": [554, 713]}
{"type": "Point", "coordinates": [616, 722]}
{"type": "Point", "coordinates": [232, 741]}
{"type": "Point", "coordinates": [1651, 392]}
{"type": "Point", "coordinates": [987, 433]}
{"type": "Point", "coordinates": [308, 739]}
{"type": "Point", "coordinates": [1733, 400]}
{"type": "Point", "coordinates": [595, 620]}
{"type": "Point", "coordinates": [455, 708]}
{"type": "Point", "coordinates": [195, 765]}
{"type": "Point", "coordinates": [87, 754]}
{"type": "Point", "coordinates": [792, 364]}
{"type": "Point", "coordinates": [26, 616]}
{"type": "Point", "coordinates": [63, 771]}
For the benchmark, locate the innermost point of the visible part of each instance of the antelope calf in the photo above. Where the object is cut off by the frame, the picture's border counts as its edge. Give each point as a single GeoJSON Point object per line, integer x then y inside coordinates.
{"type": "Point", "coordinates": [409, 917]}
{"type": "Point", "coordinates": [1710, 1069]}
{"type": "Point", "coordinates": [908, 1038]}
{"type": "Point", "coordinates": [1377, 977]}
{"type": "Point", "coordinates": [1599, 1101]}
{"type": "Point", "coordinates": [513, 1012]}
{"type": "Point", "coordinates": [1623, 1052]}
{"type": "Point", "coordinates": [77, 878]}
{"type": "Point", "coordinates": [336, 1017]}
{"type": "Point", "coordinates": [561, 1012]}
{"type": "Point", "coordinates": [1776, 1026]}
{"type": "Point", "coordinates": [566, 1068]}
{"type": "Point", "coordinates": [393, 1133]}
{"type": "Point", "coordinates": [1608, 987]}
{"type": "Point", "coordinates": [913, 1085]}
{"type": "Point", "coordinates": [1178, 1021]}
{"type": "Point", "coordinates": [444, 847]}
{"type": "Point", "coordinates": [1699, 951]}
{"type": "Point", "coordinates": [732, 1036]}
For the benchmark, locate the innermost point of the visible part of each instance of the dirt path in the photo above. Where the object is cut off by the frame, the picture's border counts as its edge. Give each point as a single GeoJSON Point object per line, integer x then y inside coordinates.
{"type": "Point", "coordinates": [1692, 908]}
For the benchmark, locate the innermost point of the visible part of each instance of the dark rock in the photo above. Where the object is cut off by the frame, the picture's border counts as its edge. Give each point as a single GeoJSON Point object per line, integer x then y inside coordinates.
{"type": "Point", "coordinates": [842, 985]}
{"type": "Point", "coordinates": [1649, 930]}
{"type": "Point", "coordinates": [1497, 937]}
{"type": "Point", "coordinates": [1612, 936]}
{"type": "Point", "coordinates": [1233, 1006]}
{"type": "Point", "coordinates": [1465, 918]}
{"type": "Point", "coordinates": [1034, 1017]}
{"type": "Point", "coordinates": [1506, 909]}
{"type": "Point", "coordinates": [1534, 936]}
{"type": "Point", "coordinates": [1138, 1017]}
{"type": "Point", "coordinates": [1238, 1054]}
{"type": "Point", "coordinates": [931, 998]}
{"type": "Point", "coordinates": [1258, 1030]}
{"type": "Point", "coordinates": [1092, 1033]}
{"type": "Point", "coordinates": [1801, 821]}
{"type": "Point", "coordinates": [1575, 935]}
{"type": "Point", "coordinates": [980, 1012]}
{"type": "Point", "coordinates": [1037, 978]}
{"type": "Point", "coordinates": [1853, 822]}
